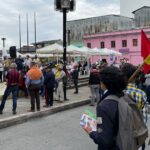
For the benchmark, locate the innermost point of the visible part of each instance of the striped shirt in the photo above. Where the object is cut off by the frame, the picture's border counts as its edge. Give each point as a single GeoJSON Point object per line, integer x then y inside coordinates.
{"type": "Point", "coordinates": [12, 77]}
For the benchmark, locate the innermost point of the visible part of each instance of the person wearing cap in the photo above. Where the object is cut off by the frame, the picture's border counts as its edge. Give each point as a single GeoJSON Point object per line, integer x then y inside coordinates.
{"type": "Point", "coordinates": [34, 81]}
{"type": "Point", "coordinates": [12, 80]}
{"type": "Point", "coordinates": [60, 93]}
{"type": "Point", "coordinates": [49, 82]}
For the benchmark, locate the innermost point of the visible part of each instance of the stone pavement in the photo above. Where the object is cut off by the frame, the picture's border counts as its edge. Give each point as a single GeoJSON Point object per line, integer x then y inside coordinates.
{"type": "Point", "coordinates": [23, 104]}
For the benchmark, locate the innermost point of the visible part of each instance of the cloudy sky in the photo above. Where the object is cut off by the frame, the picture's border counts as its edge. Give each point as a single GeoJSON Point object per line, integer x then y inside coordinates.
{"type": "Point", "coordinates": [49, 21]}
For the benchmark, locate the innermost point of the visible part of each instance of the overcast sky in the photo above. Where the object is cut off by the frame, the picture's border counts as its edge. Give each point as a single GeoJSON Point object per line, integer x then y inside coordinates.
{"type": "Point", "coordinates": [49, 21]}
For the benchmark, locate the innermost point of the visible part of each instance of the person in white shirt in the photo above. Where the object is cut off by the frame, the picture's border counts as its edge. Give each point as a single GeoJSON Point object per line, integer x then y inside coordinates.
{"type": "Point", "coordinates": [27, 61]}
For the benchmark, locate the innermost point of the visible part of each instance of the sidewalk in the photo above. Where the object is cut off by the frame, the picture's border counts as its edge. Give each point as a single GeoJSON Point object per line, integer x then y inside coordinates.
{"type": "Point", "coordinates": [8, 119]}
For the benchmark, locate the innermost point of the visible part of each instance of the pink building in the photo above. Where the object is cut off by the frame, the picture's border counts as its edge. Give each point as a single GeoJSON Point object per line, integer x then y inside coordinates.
{"type": "Point", "coordinates": [128, 42]}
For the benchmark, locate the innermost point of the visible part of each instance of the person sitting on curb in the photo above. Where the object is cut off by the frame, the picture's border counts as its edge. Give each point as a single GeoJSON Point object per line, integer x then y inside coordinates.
{"type": "Point", "coordinates": [12, 80]}
{"type": "Point", "coordinates": [34, 81]}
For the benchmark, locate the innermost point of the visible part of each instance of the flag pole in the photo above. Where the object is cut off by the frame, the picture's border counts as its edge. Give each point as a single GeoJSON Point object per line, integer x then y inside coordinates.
{"type": "Point", "coordinates": [136, 72]}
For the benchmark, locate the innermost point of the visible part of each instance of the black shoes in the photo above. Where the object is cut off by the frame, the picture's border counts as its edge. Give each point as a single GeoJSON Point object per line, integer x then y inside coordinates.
{"type": "Point", "coordinates": [1, 112]}
{"type": "Point", "coordinates": [14, 112]}
{"type": "Point", "coordinates": [75, 93]}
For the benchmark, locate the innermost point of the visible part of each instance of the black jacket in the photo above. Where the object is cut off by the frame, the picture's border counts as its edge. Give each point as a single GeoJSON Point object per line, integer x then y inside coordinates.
{"type": "Point", "coordinates": [107, 124]}
{"type": "Point", "coordinates": [75, 74]}
{"type": "Point", "coordinates": [94, 77]}
{"type": "Point", "coordinates": [49, 80]}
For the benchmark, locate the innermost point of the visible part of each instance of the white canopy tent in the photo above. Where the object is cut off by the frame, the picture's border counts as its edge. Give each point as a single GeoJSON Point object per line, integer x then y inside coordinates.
{"type": "Point", "coordinates": [108, 52]}
{"type": "Point", "coordinates": [71, 49]}
{"type": "Point", "coordinates": [88, 51]}
{"type": "Point", "coordinates": [51, 49]}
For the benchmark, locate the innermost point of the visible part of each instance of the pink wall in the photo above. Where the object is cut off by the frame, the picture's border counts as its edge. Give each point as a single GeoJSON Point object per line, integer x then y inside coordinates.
{"type": "Point", "coordinates": [134, 52]}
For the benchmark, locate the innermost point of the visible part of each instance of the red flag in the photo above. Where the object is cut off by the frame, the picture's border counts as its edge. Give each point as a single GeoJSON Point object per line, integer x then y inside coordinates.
{"type": "Point", "coordinates": [145, 50]}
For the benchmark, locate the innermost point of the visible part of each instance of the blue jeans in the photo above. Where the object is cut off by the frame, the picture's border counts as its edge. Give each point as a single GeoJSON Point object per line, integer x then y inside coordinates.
{"type": "Point", "coordinates": [9, 89]}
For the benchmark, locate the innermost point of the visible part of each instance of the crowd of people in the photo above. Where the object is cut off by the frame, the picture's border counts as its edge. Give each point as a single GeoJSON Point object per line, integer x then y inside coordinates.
{"type": "Point", "coordinates": [51, 80]}
{"type": "Point", "coordinates": [34, 79]}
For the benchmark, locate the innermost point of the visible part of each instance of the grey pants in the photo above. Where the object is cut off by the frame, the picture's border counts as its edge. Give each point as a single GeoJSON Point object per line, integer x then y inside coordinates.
{"type": "Point", "coordinates": [95, 93]}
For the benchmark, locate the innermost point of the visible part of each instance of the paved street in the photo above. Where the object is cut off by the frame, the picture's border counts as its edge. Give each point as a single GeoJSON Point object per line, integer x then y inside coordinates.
{"type": "Point", "coordinates": [24, 104]}
{"type": "Point", "coordinates": [60, 131]}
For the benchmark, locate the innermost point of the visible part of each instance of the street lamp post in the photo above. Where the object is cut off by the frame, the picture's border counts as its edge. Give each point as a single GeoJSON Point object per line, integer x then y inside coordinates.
{"type": "Point", "coordinates": [3, 39]}
{"type": "Point", "coordinates": [64, 6]}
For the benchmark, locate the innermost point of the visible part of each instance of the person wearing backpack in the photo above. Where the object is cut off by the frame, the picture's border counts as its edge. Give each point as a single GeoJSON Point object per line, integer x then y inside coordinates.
{"type": "Point", "coordinates": [112, 82]}
{"type": "Point", "coordinates": [138, 95]}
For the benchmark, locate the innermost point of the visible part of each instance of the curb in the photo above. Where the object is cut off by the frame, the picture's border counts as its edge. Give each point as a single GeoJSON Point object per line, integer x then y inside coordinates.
{"type": "Point", "coordinates": [21, 118]}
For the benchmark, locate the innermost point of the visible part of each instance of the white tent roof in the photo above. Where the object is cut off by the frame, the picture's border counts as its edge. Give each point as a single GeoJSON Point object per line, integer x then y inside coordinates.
{"type": "Point", "coordinates": [71, 49]}
{"type": "Point", "coordinates": [51, 49]}
{"type": "Point", "coordinates": [89, 51]}
{"type": "Point", "coordinates": [107, 51]}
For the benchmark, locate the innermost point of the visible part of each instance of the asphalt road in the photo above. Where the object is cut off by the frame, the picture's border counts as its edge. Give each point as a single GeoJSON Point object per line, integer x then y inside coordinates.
{"type": "Point", "coordinates": [60, 131]}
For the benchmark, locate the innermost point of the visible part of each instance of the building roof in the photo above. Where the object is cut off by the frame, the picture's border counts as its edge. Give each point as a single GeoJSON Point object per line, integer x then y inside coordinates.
{"type": "Point", "coordinates": [99, 17]}
{"type": "Point", "coordinates": [140, 9]}
{"type": "Point", "coordinates": [50, 42]}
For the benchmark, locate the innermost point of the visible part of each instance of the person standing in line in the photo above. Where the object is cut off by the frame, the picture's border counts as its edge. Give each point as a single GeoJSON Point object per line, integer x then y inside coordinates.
{"type": "Point", "coordinates": [34, 81]}
{"type": "Point", "coordinates": [12, 79]}
{"type": "Point", "coordinates": [49, 82]}
{"type": "Point", "coordinates": [75, 75]}
{"type": "Point", "coordinates": [94, 80]}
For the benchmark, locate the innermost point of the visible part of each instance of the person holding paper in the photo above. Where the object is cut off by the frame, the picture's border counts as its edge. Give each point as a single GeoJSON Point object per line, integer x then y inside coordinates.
{"type": "Point", "coordinates": [112, 82]}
